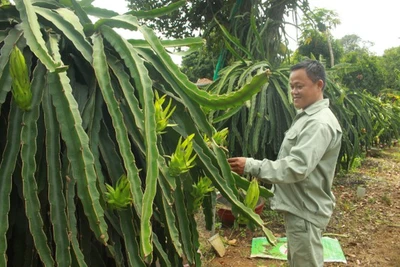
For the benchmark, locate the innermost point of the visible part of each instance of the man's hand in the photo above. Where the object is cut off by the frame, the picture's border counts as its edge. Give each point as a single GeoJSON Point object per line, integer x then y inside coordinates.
{"type": "Point", "coordinates": [237, 164]}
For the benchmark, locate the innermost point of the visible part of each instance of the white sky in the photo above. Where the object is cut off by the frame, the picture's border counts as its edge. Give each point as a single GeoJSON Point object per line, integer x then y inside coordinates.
{"type": "Point", "coordinates": [375, 21]}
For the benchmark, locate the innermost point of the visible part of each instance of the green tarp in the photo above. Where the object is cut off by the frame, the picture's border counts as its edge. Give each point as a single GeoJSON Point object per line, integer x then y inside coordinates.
{"type": "Point", "coordinates": [260, 247]}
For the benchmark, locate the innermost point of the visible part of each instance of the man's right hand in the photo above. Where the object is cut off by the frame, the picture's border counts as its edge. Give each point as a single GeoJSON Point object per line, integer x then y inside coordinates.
{"type": "Point", "coordinates": [237, 164]}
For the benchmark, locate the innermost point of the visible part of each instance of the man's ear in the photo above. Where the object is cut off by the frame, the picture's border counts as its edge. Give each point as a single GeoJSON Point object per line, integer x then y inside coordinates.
{"type": "Point", "coordinates": [320, 84]}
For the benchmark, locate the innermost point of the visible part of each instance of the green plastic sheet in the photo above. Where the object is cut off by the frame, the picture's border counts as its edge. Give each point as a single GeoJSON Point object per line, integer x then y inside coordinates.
{"type": "Point", "coordinates": [261, 248]}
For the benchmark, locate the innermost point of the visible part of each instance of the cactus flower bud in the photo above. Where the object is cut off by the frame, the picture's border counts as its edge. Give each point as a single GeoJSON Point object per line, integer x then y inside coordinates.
{"type": "Point", "coordinates": [21, 88]}
{"type": "Point", "coordinates": [182, 160]}
{"type": "Point", "coordinates": [119, 197]}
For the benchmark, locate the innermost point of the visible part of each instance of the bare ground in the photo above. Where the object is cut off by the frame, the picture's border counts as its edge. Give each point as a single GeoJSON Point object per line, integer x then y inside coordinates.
{"type": "Point", "coordinates": [368, 227]}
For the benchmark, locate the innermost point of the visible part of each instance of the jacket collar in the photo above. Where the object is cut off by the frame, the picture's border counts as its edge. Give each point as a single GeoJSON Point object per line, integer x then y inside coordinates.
{"type": "Point", "coordinates": [314, 108]}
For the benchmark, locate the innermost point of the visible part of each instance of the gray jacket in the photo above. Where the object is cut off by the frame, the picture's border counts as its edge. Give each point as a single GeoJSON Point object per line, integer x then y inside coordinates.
{"type": "Point", "coordinates": [303, 173]}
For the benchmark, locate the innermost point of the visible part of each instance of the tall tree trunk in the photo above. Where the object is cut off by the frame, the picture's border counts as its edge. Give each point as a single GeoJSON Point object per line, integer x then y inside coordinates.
{"type": "Point", "coordinates": [328, 37]}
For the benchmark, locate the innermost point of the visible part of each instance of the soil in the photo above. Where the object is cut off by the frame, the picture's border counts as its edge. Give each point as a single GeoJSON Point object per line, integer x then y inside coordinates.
{"type": "Point", "coordinates": [367, 227]}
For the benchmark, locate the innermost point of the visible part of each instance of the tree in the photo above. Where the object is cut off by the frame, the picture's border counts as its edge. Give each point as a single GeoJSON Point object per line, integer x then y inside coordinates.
{"type": "Point", "coordinates": [322, 21]}
{"type": "Point", "coordinates": [202, 62]}
{"type": "Point", "coordinates": [191, 19]}
{"type": "Point", "coordinates": [363, 73]}
{"type": "Point", "coordinates": [316, 47]}
{"type": "Point", "coordinates": [199, 64]}
{"type": "Point", "coordinates": [252, 29]}
{"type": "Point", "coordinates": [353, 42]}
{"type": "Point", "coordinates": [390, 63]}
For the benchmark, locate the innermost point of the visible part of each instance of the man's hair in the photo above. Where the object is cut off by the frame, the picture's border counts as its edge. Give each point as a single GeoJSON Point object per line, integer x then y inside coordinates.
{"type": "Point", "coordinates": [314, 69]}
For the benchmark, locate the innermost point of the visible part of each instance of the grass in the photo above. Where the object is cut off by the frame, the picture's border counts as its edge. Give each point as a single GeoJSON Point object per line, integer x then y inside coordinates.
{"type": "Point", "coordinates": [387, 199]}
{"type": "Point", "coordinates": [396, 156]}
{"type": "Point", "coordinates": [370, 214]}
{"type": "Point", "coordinates": [262, 263]}
{"type": "Point", "coordinates": [371, 200]}
{"type": "Point", "coordinates": [356, 163]}
{"type": "Point", "coordinates": [346, 205]}
{"type": "Point", "coordinates": [271, 214]}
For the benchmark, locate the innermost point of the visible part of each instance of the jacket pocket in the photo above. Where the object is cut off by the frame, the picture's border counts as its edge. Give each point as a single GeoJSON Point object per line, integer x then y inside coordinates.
{"type": "Point", "coordinates": [288, 142]}
{"type": "Point", "coordinates": [291, 137]}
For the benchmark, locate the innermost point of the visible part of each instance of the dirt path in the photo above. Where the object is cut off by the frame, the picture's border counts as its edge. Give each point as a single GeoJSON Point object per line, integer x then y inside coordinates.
{"type": "Point", "coordinates": [368, 227]}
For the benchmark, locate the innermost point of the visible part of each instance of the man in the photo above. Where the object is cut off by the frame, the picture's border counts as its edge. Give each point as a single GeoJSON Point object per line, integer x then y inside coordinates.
{"type": "Point", "coordinates": [303, 173]}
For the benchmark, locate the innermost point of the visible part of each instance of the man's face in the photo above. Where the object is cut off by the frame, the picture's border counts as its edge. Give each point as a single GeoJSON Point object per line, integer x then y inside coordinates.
{"type": "Point", "coordinates": [304, 91]}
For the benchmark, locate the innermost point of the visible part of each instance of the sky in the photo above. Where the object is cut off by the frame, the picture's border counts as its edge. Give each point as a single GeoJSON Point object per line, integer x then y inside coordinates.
{"type": "Point", "coordinates": [374, 21]}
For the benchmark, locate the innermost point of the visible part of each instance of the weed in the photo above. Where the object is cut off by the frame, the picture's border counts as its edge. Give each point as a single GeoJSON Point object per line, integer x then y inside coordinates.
{"type": "Point", "coordinates": [244, 253]}
{"type": "Point", "coordinates": [369, 214]}
{"type": "Point", "coordinates": [243, 232]}
{"type": "Point", "coordinates": [374, 170]}
{"type": "Point", "coordinates": [346, 205]}
{"type": "Point", "coordinates": [271, 215]}
{"type": "Point", "coordinates": [396, 156]}
{"type": "Point", "coordinates": [356, 163]}
{"type": "Point", "coordinates": [387, 199]}
{"type": "Point", "coordinates": [221, 232]}
{"type": "Point", "coordinates": [341, 173]}
{"type": "Point", "coordinates": [371, 200]}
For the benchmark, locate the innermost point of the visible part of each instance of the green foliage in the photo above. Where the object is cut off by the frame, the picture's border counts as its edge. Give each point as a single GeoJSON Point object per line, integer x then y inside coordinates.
{"type": "Point", "coordinates": [219, 137]}
{"type": "Point", "coordinates": [199, 64]}
{"type": "Point", "coordinates": [157, 12]}
{"type": "Point", "coordinates": [319, 19]}
{"type": "Point", "coordinates": [5, 2]}
{"type": "Point", "coordinates": [361, 71]}
{"type": "Point", "coordinates": [120, 196]}
{"type": "Point", "coordinates": [196, 15]}
{"type": "Point", "coordinates": [162, 114]}
{"type": "Point", "coordinates": [233, 30]}
{"type": "Point", "coordinates": [319, 22]}
{"type": "Point", "coordinates": [249, 32]}
{"type": "Point", "coordinates": [390, 63]}
{"type": "Point", "coordinates": [200, 189]}
{"type": "Point", "coordinates": [256, 31]}
{"type": "Point", "coordinates": [356, 163]}
{"type": "Point", "coordinates": [362, 117]}
{"type": "Point", "coordinates": [257, 128]}
{"type": "Point", "coordinates": [317, 46]}
{"type": "Point", "coordinates": [182, 160]}
{"type": "Point", "coordinates": [391, 96]}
